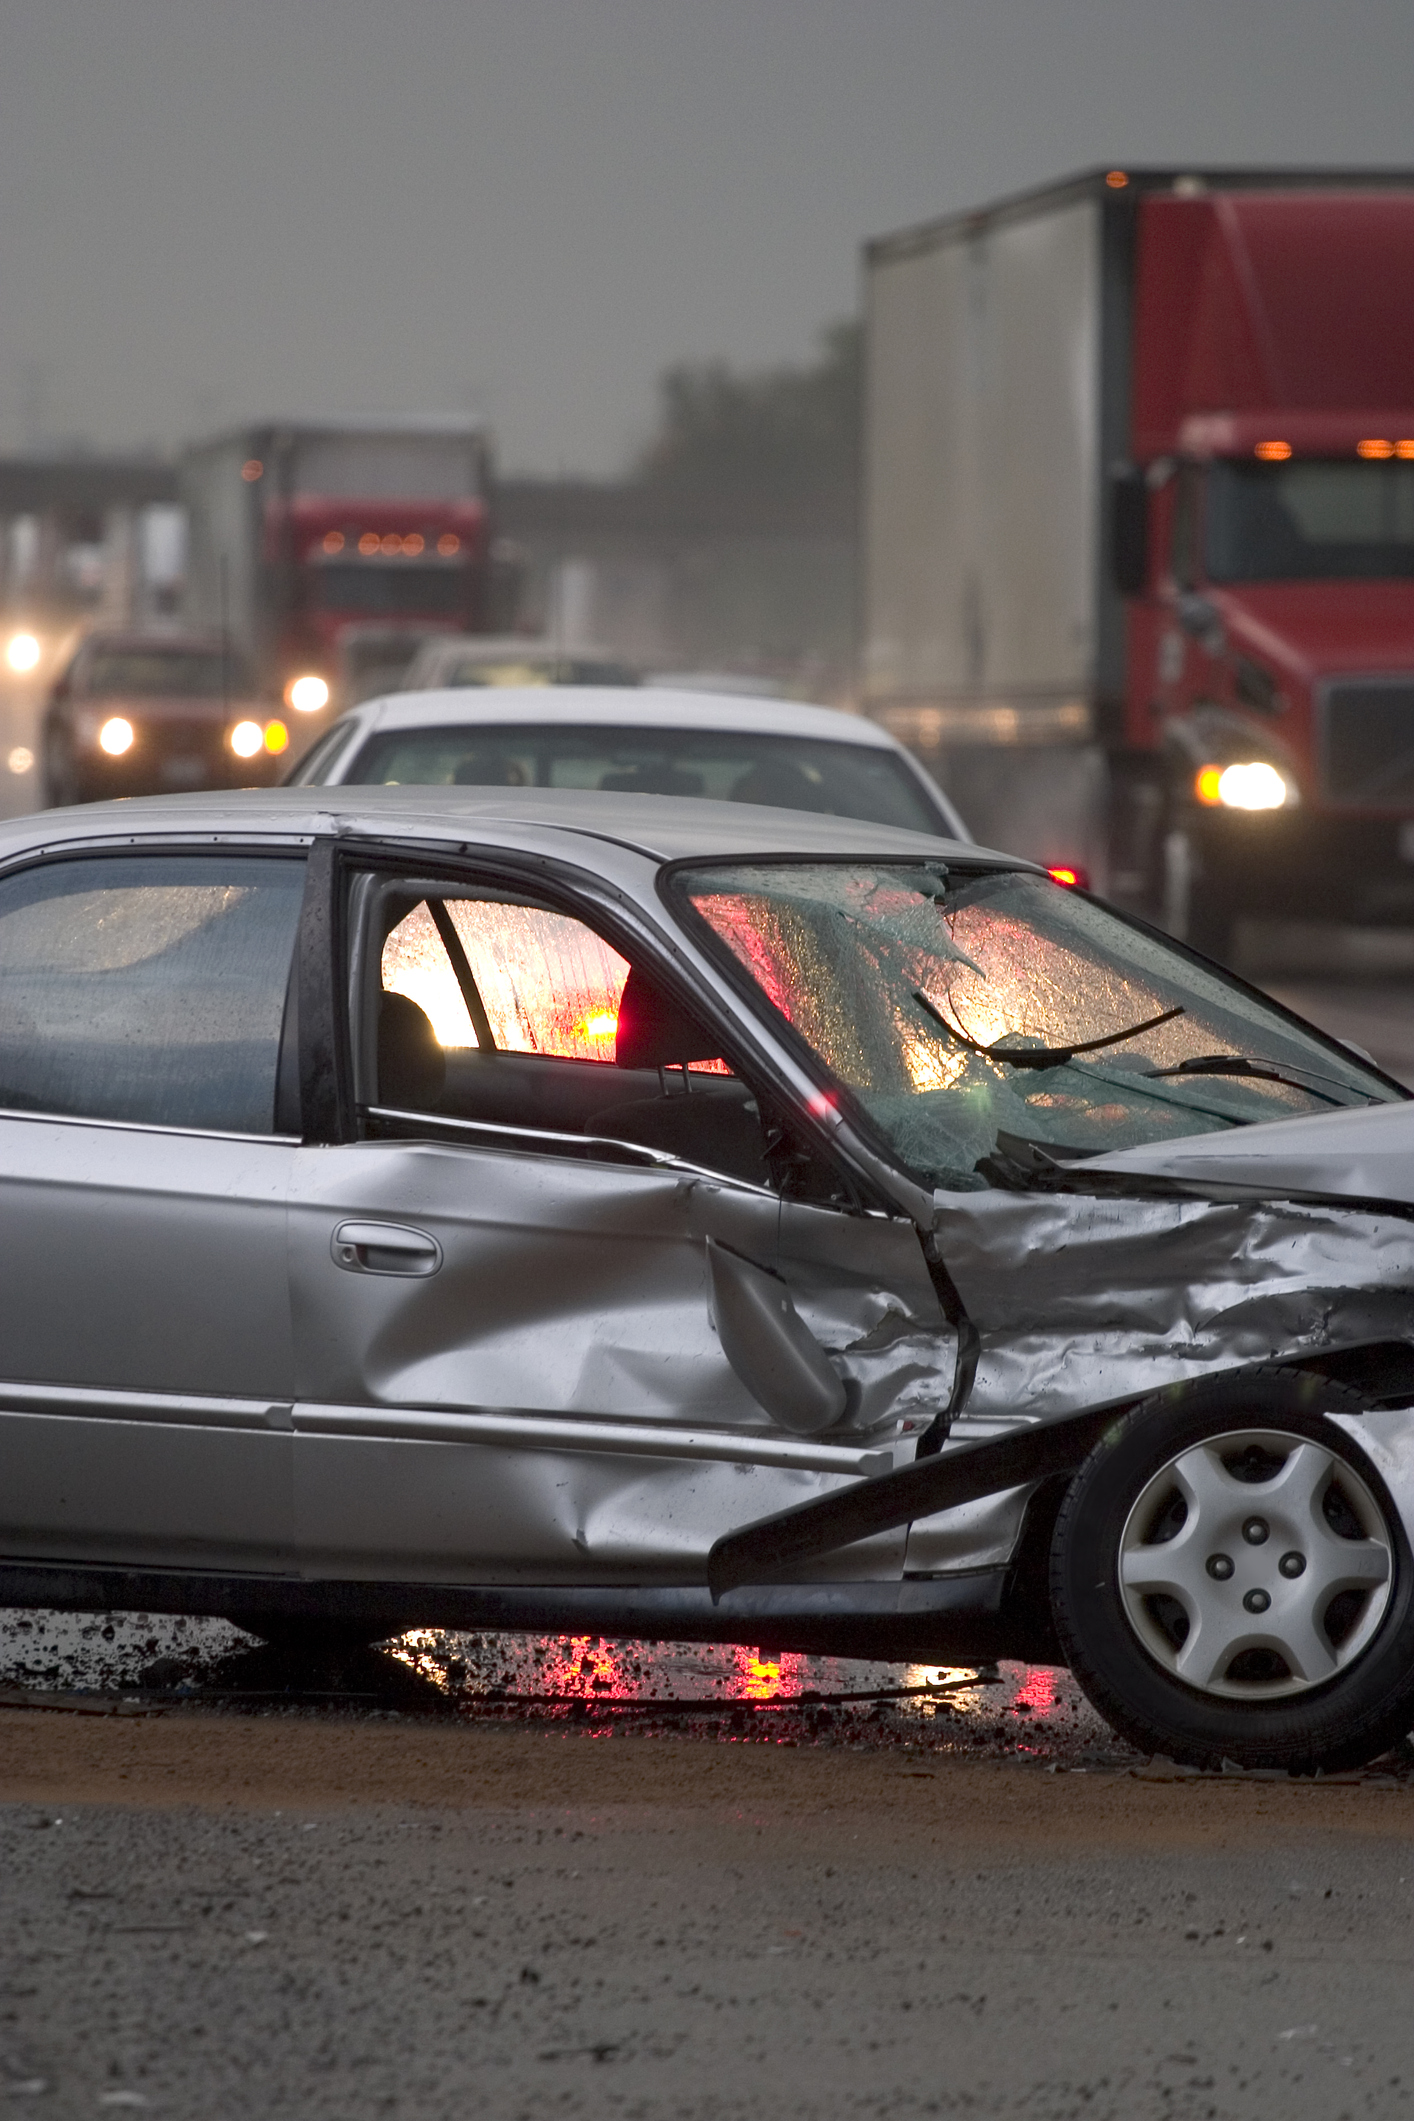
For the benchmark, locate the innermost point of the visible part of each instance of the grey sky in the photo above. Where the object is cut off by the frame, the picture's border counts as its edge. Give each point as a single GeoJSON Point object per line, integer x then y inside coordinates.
{"type": "Point", "coordinates": [220, 208]}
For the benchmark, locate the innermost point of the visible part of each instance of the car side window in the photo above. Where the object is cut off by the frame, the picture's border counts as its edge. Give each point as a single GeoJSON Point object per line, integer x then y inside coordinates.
{"type": "Point", "coordinates": [149, 989]}
{"type": "Point", "coordinates": [548, 984]}
{"type": "Point", "coordinates": [495, 1012]}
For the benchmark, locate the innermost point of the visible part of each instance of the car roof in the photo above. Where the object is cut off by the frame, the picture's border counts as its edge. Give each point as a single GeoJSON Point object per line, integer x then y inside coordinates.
{"type": "Point", "coordinates": [567, 823]}
{"type": "Point", "coordinates": [619, 706]}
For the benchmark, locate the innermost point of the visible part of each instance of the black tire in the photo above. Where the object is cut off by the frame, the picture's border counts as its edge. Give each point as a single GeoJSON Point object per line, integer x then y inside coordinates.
{"type": "Point", "coordinates": [1125, 1641]}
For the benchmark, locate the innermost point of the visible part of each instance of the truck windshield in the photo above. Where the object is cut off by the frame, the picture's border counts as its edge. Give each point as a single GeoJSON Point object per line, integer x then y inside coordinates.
{"type": "Point", "coordinates": [398, 591]}
{"type": "Point", "coordinates": [1310, 519]}
{"type": "Point", "coordinates": [897, 976]}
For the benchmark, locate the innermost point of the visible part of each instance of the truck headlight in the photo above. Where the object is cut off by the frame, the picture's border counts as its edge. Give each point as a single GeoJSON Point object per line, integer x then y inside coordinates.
{"type": "Point", "coordinates": [246, 739]}
{"type": "Point", "coordinates": [1248, 784]}
{"type": "Point", "coordinates": [307, 694]}
{"type": "Point", "coordinates": [116, 736]}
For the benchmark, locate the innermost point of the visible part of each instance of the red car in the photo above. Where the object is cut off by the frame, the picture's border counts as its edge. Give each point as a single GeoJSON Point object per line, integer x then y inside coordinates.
{"type": "Point", "coordinates": [149, 713]}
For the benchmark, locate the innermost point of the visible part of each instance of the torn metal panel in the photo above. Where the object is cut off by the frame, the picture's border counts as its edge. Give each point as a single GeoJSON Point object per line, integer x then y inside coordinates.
{"type": "Point", "coordinates": [861, 1284]}
{"type": "Point", "coordinates": [1386, 1435]}
{"type": "Point", "coordinates": [1366, 1154]}
{"type": "Point", "coordinates": [572, 1292]}
{"type": "Point", "coordinates": [368, 1508]}
{"type": "Point", "coordinates": [1080, 1300]}
{"type": "Point", "coordinates": [975, 1535]}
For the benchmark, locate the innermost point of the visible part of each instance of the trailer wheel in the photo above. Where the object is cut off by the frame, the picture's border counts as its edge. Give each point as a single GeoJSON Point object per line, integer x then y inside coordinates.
{"type": "Point", "coordinates": [1231, 1581]}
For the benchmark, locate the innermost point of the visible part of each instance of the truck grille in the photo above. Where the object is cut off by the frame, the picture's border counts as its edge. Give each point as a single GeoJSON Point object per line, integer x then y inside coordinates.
{"type": "Point", "coordinates": [1368, 744]}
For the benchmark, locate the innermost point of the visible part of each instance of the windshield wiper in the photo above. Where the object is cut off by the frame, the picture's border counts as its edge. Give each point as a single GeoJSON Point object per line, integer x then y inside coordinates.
{"type": "Point", "coordinates": [1040, 1056]}
{"type": "Point", "coordinates": [1290, 1073]}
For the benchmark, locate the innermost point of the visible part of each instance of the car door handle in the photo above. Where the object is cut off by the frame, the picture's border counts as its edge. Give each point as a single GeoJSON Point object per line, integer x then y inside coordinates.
{"type": "Point", "coordinates": [385, 1248]}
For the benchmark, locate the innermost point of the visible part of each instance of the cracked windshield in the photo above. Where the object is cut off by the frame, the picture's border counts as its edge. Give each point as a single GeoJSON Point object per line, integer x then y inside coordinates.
{"type": "Point", "coordinates": [966, 1013]}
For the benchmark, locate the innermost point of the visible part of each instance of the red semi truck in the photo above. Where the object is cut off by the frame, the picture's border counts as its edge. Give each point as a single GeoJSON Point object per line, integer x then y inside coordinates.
{"type": "Point", "coordinates": [1139, 533]}
{"type": "Point", "coordinates": [313, 544]}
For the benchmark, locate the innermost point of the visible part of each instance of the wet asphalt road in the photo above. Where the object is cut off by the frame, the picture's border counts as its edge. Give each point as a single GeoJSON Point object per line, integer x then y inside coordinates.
{"type": "Point", "coordinates": [391, 1887]}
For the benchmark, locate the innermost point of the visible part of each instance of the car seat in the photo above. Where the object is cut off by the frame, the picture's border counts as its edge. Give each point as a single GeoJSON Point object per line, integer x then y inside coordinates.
{"type": "Point", "coordinates": [412, 1068]}
{"type": "Point", "coordinates": [705, 1119]}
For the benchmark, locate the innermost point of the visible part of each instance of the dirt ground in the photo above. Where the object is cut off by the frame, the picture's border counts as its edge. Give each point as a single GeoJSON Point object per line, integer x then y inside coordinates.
{"type": "Point", "coordinates": [316, 1914]}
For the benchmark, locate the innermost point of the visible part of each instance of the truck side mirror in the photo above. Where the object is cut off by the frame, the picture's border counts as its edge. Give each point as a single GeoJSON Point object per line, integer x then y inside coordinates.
{"type": "Point", "coordinates": [1129, 529]}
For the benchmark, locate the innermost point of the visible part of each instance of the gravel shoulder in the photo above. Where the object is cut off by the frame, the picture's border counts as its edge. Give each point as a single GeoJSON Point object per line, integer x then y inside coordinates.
{"type": "Point", "coordinates": [288, 1915]}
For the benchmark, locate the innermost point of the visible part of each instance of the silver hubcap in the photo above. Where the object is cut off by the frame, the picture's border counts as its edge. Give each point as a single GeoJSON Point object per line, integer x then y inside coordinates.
{"type": "Point", "coordinates": [1255, 1564]}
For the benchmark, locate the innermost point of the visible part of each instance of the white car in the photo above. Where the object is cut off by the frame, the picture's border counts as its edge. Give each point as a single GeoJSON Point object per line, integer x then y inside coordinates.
{"type": "Point", "coordinates": [633, 741]}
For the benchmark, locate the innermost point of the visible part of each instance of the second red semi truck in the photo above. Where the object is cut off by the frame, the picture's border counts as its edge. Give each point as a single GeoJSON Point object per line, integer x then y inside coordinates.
{"type": "Point", "coordinates": [1139, 533]}
{"type": "Point", "coordinates": [314, 546]}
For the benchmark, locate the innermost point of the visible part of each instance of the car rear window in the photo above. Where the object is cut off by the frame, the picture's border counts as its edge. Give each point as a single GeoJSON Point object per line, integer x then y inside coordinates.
{"type": "Point", "coordinates": [789, 772]}
{"type": "Point", "coordinates": [148, 988]}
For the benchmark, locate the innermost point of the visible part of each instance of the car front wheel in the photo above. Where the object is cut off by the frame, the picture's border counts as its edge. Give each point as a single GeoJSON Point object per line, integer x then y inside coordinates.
{"type": "Point", "coordinates": [1231, 1580]}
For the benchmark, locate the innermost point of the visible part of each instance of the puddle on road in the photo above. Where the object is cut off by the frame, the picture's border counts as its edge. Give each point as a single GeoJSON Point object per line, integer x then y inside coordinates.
{"type": "Point", "coordinates": [734, 1694]}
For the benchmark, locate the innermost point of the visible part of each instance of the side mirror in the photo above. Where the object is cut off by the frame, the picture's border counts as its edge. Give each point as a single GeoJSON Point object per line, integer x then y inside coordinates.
{"type": "Point", "coordinates": [1129, 530]}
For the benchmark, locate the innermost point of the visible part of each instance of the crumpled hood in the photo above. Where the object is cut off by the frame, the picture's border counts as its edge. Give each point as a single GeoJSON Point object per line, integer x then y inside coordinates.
{"type": "Point", "coordinates": [1362, 1155]}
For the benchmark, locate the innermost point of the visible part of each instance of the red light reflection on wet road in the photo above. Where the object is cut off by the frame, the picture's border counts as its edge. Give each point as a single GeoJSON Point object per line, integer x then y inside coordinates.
{"type": "Point", "coordinates": [1038, 1689]}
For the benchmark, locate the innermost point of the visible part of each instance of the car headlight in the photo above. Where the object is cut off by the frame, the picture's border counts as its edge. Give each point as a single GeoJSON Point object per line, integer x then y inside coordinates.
{"type": "Point", "coordinates": [116, 736]}
{"type": "Point", "coordinates": [246, 739]}
{"type": "Point", "coordinates": [22, 652]}
{"type": "Point", "coordinates": [307, 694]}
{"type": "Point", "coordinates": [1248, 784]}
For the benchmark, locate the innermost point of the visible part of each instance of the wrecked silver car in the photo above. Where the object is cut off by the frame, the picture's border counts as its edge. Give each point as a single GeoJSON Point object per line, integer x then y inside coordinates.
{"type": "Point", "coordinates": [524, 1209]}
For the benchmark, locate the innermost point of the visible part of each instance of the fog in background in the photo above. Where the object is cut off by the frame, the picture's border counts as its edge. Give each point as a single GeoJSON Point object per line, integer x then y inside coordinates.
{"type": "Point", "coordinates": [531, 208]}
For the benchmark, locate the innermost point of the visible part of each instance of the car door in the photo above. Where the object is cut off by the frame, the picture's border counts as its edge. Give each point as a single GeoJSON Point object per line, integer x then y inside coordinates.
{"type": "Point", "coordinates": [146, 1360]}
{"type": "Point", "coordinates": [509, 1288]}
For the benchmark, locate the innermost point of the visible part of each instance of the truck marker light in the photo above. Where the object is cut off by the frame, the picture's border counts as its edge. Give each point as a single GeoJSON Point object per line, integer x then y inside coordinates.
{"type": "Point", "coordinates": [307, 694]}
{"type": "Point", "coordinates": [1272, 452]}
{"type": "Point", "coordinates": [246, 739]}
{"type": "Point", "coordinates": [116, 736]}
{"type": "Point", "coordinates": [413, 543]}
{"type": "Point", "coordinates": [368, 543]}
{"type": "Point", "coordinates": [1116, 179]}
{"type": "Point", "coordinates": [22, 652]}
{"type": "Point", "coordinates": [1252, 785]}
{"type": "Point", "coordinates": [251, 470]}
{"type": "Point", "coordinates": [390, 542]}
{"type": "Point", "coordinates": [1404, 449]}
{"type": "Point", "coordinates": [1074, 879]}
{"type": "Point", "coordinates": [1374, 449]}
{"type": "Point", "coordinates": [1206, 784]}
{"type": "Point", "coordinates": [448, 543]}
{"type": "Point", "coordinates": [277, 737]}
{"type": "Point", "coordinates": [333, 541]}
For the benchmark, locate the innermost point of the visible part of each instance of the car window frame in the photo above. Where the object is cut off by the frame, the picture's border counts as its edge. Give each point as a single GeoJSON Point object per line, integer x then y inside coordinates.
{"type": "Point", "coordinates": [330, 1021]}
{"type": "Point", "coordinates": [288, 1066]}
